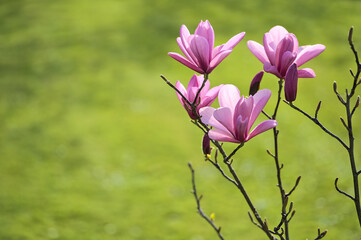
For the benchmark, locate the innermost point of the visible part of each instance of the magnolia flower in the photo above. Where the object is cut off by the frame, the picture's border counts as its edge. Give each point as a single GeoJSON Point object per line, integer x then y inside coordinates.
{"type": "Point", "coordinates": [280, 51]}
{"type": "Point", "coordinates": [206, 96]}
{"type": "Point", "coordinates": [232, 122]}
{"type": "Point", "coordinates": [198, 48]}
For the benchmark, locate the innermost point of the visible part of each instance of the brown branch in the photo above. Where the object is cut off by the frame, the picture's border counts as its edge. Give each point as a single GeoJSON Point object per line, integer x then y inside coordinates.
{"type": "Point", "coordinates": [342, 192]}
{"type": "Point", "coordinates": [320, 234]}
{"type": "Point", "coordinates": [317, 122]}
{"type": "Point", "coordinates": [198, 200]}
{"type": "Point", "coordinates": [295, 186]}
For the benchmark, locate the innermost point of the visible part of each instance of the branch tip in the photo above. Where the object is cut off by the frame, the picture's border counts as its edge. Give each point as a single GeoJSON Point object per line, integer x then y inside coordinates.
{"type": "Point", "coordinates": [295, 186]}
{"type": "Point", "coordinates": [342, 192]}
{"type": "Point", "coordinates": [269, 153]}
{"type": "Point", "coordinates": [318, 108]}
{"type": "Point", "coordinates": [351, 72]}
{"type": "Point", "coordinates": [350, 33]}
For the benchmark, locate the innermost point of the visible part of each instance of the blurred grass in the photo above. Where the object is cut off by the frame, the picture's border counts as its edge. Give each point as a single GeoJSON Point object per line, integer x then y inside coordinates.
{"type": "Point", "coordinates": [94, 145]}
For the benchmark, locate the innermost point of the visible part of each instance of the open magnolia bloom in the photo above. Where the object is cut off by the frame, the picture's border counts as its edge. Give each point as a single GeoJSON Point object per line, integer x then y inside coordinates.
{"type": "Point", "coordinates": [280, 51]}
{"type": "Point", "coordinates": [198, 48]}
{"type": "Point", "coordinates": [206, 96]}
{"type": "Point", "coordinates": [232, 122]}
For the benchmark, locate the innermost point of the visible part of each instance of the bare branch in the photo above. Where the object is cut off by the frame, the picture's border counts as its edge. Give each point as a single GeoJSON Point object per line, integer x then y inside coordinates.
{"type": "Point", "coordinates": [295, 186]}
{"type": "Point", "coordinates": [200, 211]}
{"type": "Point", "coordinates": [176, 89]}
{"type": "Point", "coordinates": [318, 108]}
{"type": "Point", "coordinates": [315, 120]}
{"type": "Point", "coordinates": [356, 105]}
{"type": "Point", "coordinates": [271, 154]}
{"type": "Point", "coordinates": [344, 123]}
{"type": "Point", "coordinates": [342, 192]}
{"type": "Point", "coordinates": [320, 234]}
{"type": "Point", "coordinates": [250, 217]}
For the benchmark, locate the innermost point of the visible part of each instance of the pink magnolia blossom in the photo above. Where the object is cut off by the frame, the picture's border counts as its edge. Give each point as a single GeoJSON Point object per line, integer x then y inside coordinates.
{"type": "Point", "coordinates": [232, 122]}
{"type": "Point", "coordinates": [206, 95]}
{"type": "Point", "coordinates": [198, 48]}
{"type": "Point", "coordinates": [280, 51]}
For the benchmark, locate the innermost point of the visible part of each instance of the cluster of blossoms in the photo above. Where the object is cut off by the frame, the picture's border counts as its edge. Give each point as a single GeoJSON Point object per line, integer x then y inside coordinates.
{"type": "Point", "coordinates": [232, 121]}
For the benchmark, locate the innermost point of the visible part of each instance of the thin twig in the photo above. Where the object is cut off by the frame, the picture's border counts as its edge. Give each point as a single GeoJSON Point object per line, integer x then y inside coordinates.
{"type": "Point", "coordinates": [342, 192]}
{"type": "Point", "coordinates": [317, 122]}
{"type": "Point", "coordinates": [198, 200]}
{"type": "Point", "coordinates": [233, 152]}
{"type": "Point", "coordinates": [295, 186]}
{"type": "Point", "coordinates": [349, 113]}
{"type": "Point", "coordinates": [176, 89]}
{"type": "Point", "coordinates": [320, 234]}
{"type": "Point", "coordinates": [284, 198]}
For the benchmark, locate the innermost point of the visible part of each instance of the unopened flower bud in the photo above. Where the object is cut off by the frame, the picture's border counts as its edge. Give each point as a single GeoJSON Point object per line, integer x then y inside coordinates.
{"type": "Point", "coordinates": [255, 84]}
{"type": "Point", "coordinates": [206, 145]}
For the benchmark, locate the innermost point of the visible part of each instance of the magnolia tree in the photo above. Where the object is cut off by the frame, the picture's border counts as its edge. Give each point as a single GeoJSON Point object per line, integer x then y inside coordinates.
{"type": "Point", "coordinates": [233, 120]}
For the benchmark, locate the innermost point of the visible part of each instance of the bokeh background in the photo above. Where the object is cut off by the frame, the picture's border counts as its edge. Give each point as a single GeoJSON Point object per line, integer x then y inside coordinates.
{"type": "Point", "coordinates": [94, 145]}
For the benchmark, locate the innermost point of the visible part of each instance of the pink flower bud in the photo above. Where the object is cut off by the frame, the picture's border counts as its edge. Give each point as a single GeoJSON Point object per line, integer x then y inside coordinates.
{"type": "Point", "coordinates": [206, 145]}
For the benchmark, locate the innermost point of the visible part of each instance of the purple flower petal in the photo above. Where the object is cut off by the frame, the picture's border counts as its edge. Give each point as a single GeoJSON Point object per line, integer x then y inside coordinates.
{"type": "Point", "coordinates": [207, 117]}
{"type": "Point", "coordinates": [306, 53]}
{"type": "Point", "coordinates": [286, 61]}
{"type": "Point", "coordinates": [224, 116]}
{"type": "Point", "coordinates": [291, 80]}
{"type": "Point", "coordinates": [262, 127]}
{"type": "Point", "coordinates": [184, 50]}
{"type": "Point", "coordinates": [184, 34]}
{"type": "Point", "coordinates": [245, 110]}
{"type": "Point", "coordinates": [205, 30]}
{"type": "Point", "coordinates": [267, 67]}
{"type": "Point", "coordinates": [269, 47]}
{"type": "Point", "coordinates": [193, 86]}
{"type": "Point", "coordinates": [200, 48]}
{"type": "Point", "coordinates": [286, 52]}
{"type": "Point", "coordinates": [228, 96]}
{"type": "Point", "coordinates": [278, 33]}
{"type": "Point", "coordinates": [181, 88]}
{"type": "Point", "coordinates": [241, 128]}
{"type": "Point", "coordinates": [185, 62]}
{"type": "Point", "coordinates": [306, 73]}
{"type": "Point", "coordinates": [260, 100]}
{"type": "Point", "coordinates": [233, 41]}
{"type": "Point", "coordinates": [211, 96]}
{"type": "Point", "coordinates": [218, 59]}
{"type": "Point", "coordinates": [257, 50]}
{"type": "Point", "coordinates": [217, 50]}
{"type": "Point", "coordinates": [222, 136]}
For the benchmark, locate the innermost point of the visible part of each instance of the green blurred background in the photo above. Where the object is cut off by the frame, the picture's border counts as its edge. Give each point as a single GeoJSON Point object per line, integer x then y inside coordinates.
{"type": "Point", "coordinates": [94, 145]}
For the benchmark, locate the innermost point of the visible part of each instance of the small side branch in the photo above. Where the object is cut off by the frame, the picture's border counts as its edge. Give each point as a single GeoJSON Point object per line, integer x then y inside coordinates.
{"type": "Point", "coordinates": [317, 122]}
{"type": "Point", "coordinates": [198, 200]}
{"type": "Point", "coordinates": [176, 89]}
{"type": "Point", "coordinates": [320, 234]}
{"type": "Point", "coordinates": [294, 187]}
{"type": "Point", "coordinates": [342, 192]}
